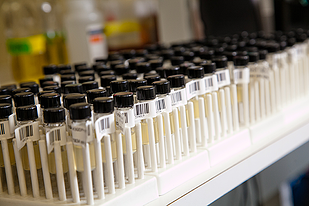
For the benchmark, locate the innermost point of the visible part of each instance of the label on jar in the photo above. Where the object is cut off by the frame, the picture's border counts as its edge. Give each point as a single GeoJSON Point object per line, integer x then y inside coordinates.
{"type": "Point", "coordinates": [82, 133]}
{"type": "Point", "coordinates": [163, 104]}
{"type": "Point", "coordinates": [210, 84]}
{"type": "Point", "coordinates": [178, 97]}
{"type": "Point", "coordinates": [223, 78]}
{"type": "Point", "coordinates": [96, 41]}
{"type": "Point", "coordinates": [25, 132]}
{"type": "Point", "coordinates": [5, 131]}
{"type": "Point", "coordinates": [124, 119]}
{"type": "Point", "coordinates": [57, 134]}
{"type": "Point", "coordinates": [195, 88]}
{"type": "Point", "coordinates": [145, 110]}
{"type": "Point", "coordinates": [241, 76]}
{"type": "Point", "coordinates": [104, 125]}
{"type": "Point", "coordinates": [28, 45]}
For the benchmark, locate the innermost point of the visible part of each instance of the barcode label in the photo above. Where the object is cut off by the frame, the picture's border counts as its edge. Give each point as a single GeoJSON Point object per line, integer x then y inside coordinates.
{"type": "Point", "coordinates": [223, 77]}
{"type": "Point", "coordinates": [124, 119]}
{"type": "Point", "coordinates": [163, 104]}
{"type": "Point", "coordinates": [5, 131]}
{"type": "Point", "coordinates": [82, 133]}
{"type": "Point", "coordinates": [210, 83]}
{"type": "Point", "coordinates": [254, 71]}
{"type": "Point", "coordinates": [104, 125]}
{"type": "Point", "coordinates": [145, 109]}
{"type": "Point", "coordinates": [25, 132]}
{"type": "Point", "coordinates": [241, 76]}
{"type": "Point", "coordinates": [263, 71]}
{"type": "Point", "coordinates": [194, 88]}
{"type": "Point", "coordinates": [55, 135]}
{"type": "Point", "coordinates": [178, 97]}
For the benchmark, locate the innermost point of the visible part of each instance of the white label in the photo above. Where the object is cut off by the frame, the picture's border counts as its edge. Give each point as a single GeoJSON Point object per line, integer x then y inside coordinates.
{"type": "Point", "coordinates": [178, 97]}
{"type": "Point", "coordinates": [210, 84]}
{"type": "Point", "coordinates": [163, 104]}
{"type": "Point", "coordinates": [25, 132]}
{"type": "Point", "coordinates": [194, 88]}
{"type": "Point", "coordinates": [145, 110]}
{"type": "Point", "coordinates": [223, 78]}
{"type": "Point", "coordinates": [241, 76]}
{"type": "Point", "coordinates": [96, 41]}
{"type": "Point", "coordinates": [264, 72]}
{"type": "Point", "coordinates": [82, 133]}
{"type": "Point", "coordinates": [124, 119]}
{"type": "Point", "coordinates": [104, 125]}
{"type": "Point", "coordinates": [5, 132]}
{"type": "Point", "coordinates": [57, 134]}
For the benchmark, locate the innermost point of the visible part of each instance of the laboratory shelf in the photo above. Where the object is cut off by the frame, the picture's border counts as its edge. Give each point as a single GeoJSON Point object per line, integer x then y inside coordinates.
{"type": "Point", "coordinates": [271, 139]}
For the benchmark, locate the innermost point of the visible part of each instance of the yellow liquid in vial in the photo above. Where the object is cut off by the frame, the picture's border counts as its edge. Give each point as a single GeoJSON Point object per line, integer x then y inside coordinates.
{"type": "Point", "coordinates": [56, 51]}
{"type": "Point", "coordinates": [37, 156]}
{"type": "Point", "coordinates": [194, 100]}
{"type": "Point", "coordinates": [114, 149]}
{"type": "Point", "coordinates": [179, 119]}
{"type": "Point", "coordinates": [145, 132]}
{"type": "Point", "coordinates": [28, 67]}
{"type": "Point", "coordinates": [11, 153]}
{"type": "Point", "coordinates": [78, 154]}
{"type": "Point", "coordinates": [239, 94]}
{"type": "Point", "coordinates": [52, 162]}
{"type": "Point", "coordinates": [133, 138]}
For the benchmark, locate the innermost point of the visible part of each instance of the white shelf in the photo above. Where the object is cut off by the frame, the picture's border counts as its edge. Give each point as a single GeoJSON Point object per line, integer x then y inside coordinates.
{"type": "Point", "coordinates": [223, 177]}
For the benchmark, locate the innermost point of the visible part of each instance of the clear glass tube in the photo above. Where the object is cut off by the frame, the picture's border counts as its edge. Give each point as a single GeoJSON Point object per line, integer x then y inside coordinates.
{"type": "Point", "coordinates": [10, 147]}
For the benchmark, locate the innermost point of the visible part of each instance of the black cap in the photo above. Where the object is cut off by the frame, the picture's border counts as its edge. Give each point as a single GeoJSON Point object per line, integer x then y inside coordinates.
{"type": "Point", "coordinates": [6, 99]}
{"type": "Point", "coordinates": [177, 60]}
{"type": "Point", "coordinates": [34, 87]}
{"type": "Point", "coordinates": [80, 111]}
{"type": "Point", "coordinates": [141, 52]}
{"type": "Point", "coordinates": [283, 45]}
{"type": "Point", "coordinates": [152, 56]}
{"type": "Point", "coordinates": [230, 55]}
{"type": "Point", "coordinates": [221, 61]}
{"type": "Point", "coordinates": [162, 87]}
{"type": "Point", "coordinates": [172, 70]}
{"type": "Point", "coordinates": [167, 54]}
{"type": "Point", "coordinates": [145, 93]}
{"type": "Point", "coordinates": [152, 78]}
{"type": "Point", "coordinates": [263, 54]}
{"type": "Point", "coordinates": [128, 53]}
{"type": "Point", "coordinates": [62, 67]}
{"type": "Point", "coordinates": [85, 79]}
{"type": "Point", "coordinates": [119, 86]}
{"type": "Point", "coordinates": [129, 76]}
{"type": "Point", "coordinates": [115, 57]}
{"type": "Point", "coordinates": [96, 65]}
{"type": "Point", "coordinates": [134, 61]}
{"type": "Point", "coordinates": [73, 98]}
{"type": "Point", "coordinates": [53, 88]}
{"type": "Point", "coordinates": [5, 91]}
{"type": "Point", "coordinates": [90, 85]}
{"type": "Point", "coordinates": [208, 54]}
{"type": "Point", "coordinates": [103, 105]}
{"type": "Point", "coordinates": [102, 67]}
{"type": "Point", "coordinates": [272, 47]}
{"type": "Point", "coordinates": [66, 72]}
{"type": "Point", "coordinates": [143, 67]}
{"type": "Point", "coordinates": [184, 66]}
{"type": "Point", "coordinates": [106, 80]}
{"type": "Point", "coordinates": [253, 56]}
{"type": "Point", "coordinates": [87, 73]}
{"type": "Point", "coordinates": [108, 91]}
{"type": "Point", "coordinates": [54, 115]}
{"type": "Point", "coordinates": [195, 72]}
{"type": "Point", "coordinates": [73, 88]}
{"type": "Point", "coordinates": [26, 113]}
{"type": "Point", "coordinates": [5, 110]}
{"type": "Point", "coordinates": [291, 41]}
{"type": "Point", "coordinates": [50, 100]}
{"type": "Point", "coordinates": [134, 83]}
{"type": "Point", "coordinates": [44, 92]}
{"type": "Point", "coordinates": [209, 68]}
{"type": "Point", "coordinates": [241, 60]}
{"type": "Point", "coordinates": [24, 99]}
{"type": "Point", "coordinates": [68, 77]}
{"type": "Point", "coordinates": [177, 80]}
{"type": "Point", "coordinates": [79, 64]}
{"type": "Point", "coordinates": [95, 93]}
{"type": "Point", "coordinates": [50, 69]}
{"type": "Point", "coordinates": [113, 64]}
{"type": "Point", "coordinates": [155, 63]}
{"type": "Point", "coordinates": [232, 47]}
{"type": "Point", "coordinates": [198, 62]}
{"type": "Point", "coordinates": [107, 72]}
{"type": "Point", "coordinates": [10, 87]}
{"type": "Point", "coordinates": [49, 83]}
{"type": "Point", "coordinates": [65, 83]}
{"type": "Point", "coordinates": [123, 99]}
{"type": "Point", "coordinates": [121, 69]}
{"type": "Point", "coordinates": [20, 90]}
{"type": "Point", "coordinates": [161, 72]}
{"type": "Point", "coordinates": [45, 79]}
{"type": "Point", "coordinates": [103, 60]}
{"type": "Point", "coordinates": [83, 69]}
{"type": "Point", "coordinates": [179, 50]}
{"type": "Point", "coordinates": [188, 55]}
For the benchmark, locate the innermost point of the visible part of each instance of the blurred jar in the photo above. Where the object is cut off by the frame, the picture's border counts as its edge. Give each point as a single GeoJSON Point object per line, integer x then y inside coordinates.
{"type": "Point", "coordinates": [25, 42]}
{"type": "Point", "coordinates": [129, 23]}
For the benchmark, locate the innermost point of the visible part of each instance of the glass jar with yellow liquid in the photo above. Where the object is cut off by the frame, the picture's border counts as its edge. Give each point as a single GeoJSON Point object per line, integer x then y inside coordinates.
{"type": "Point", "coordinates": [26, 42]}
{"type": "Point", "coordinates": [82, 133]}
{"type": "Point", "coordinates": [6, 131]}
{"type": "Point", "coordinates": [103, 108]}
{"type": "Point", "coordinates": [54, 127]}
{"type": "Point", "coordinates": [124, 117]}
{"type": "Point", "coordinates": [28, 128]}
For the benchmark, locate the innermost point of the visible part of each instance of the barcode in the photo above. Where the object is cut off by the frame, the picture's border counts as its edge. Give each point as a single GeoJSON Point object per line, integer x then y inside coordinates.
{"type": "Point", "coordinates": [238, 75]}
{"type": "Point", "coordinates": [208, 83]}
{"type": "Point", "coordinates": [176, 97]}
{"type": "Point", "coordinates": [25, 132]}
{"type": "Point", "coordinates": [126, 120]}
{"type": "Point", "coordinates": [2, 132]}
{"type": "Point", "coordinates": [88, 128]}
{"type": "Point", "coordinates": [104, 124]}
{"type": "Point", "coordinates": [54, 136]}
{"type": "Point", "coordinates": [160, 105]}
{"type": "Point", "coordinates": [221, 77]}
{"type": "Point", "coordinates": [195, 86]}
{"type": "Point", "coordinates": [141, 109]}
